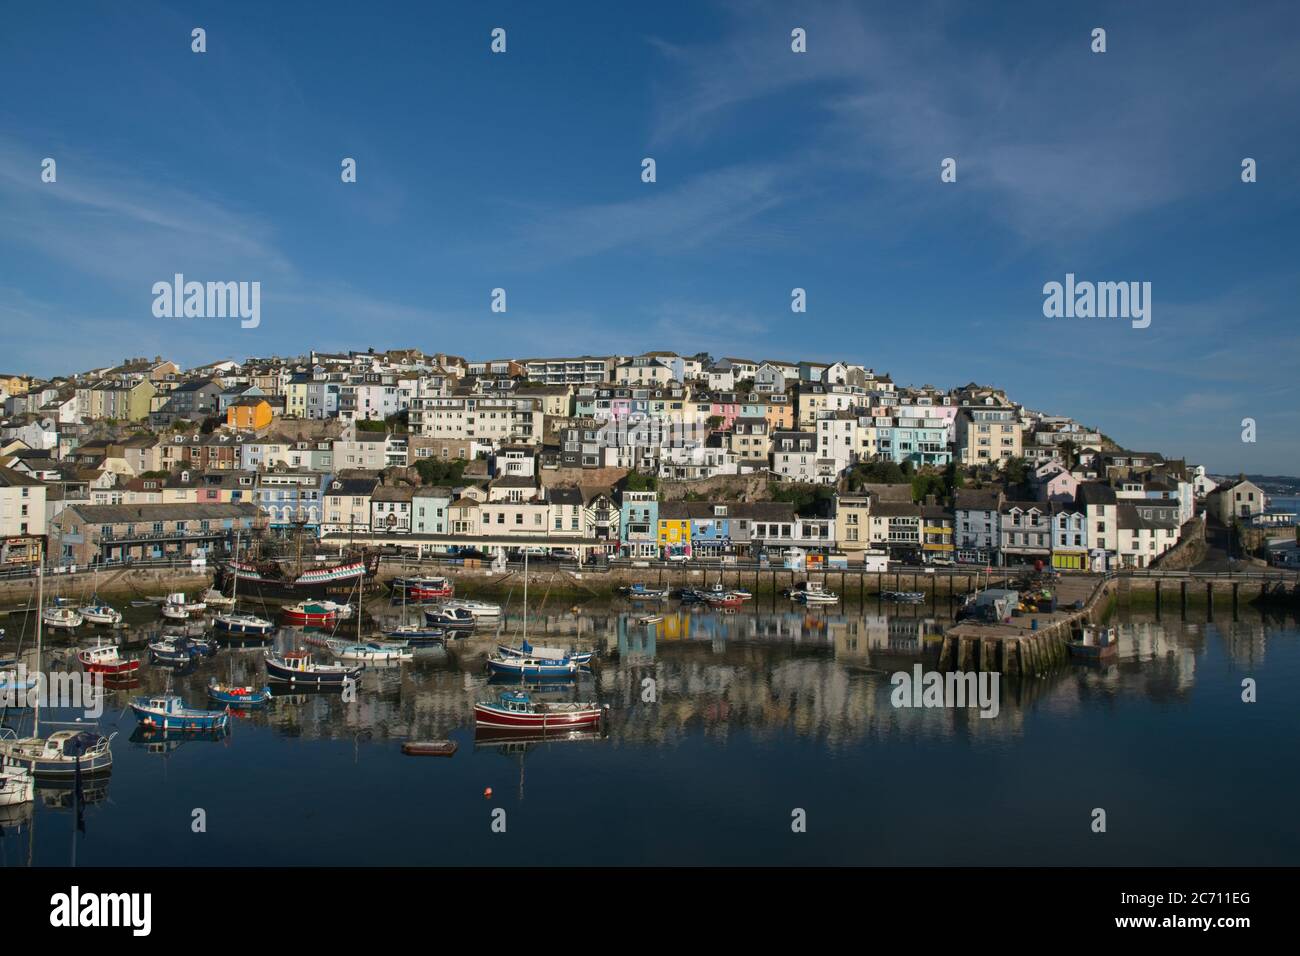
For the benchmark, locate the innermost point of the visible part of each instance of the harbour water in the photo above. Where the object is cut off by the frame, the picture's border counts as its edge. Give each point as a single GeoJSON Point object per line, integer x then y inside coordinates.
{"type": "Point", "coordinates": [722, 727]}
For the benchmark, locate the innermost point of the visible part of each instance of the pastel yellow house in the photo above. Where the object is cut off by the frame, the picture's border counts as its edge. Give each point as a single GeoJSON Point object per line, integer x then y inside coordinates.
{"type": "Point", "coordinates": [674, 525]}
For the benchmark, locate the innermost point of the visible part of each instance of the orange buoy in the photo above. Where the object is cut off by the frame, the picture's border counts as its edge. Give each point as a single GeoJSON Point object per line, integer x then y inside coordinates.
{"type": "Point", "coordinates": [487, 792]}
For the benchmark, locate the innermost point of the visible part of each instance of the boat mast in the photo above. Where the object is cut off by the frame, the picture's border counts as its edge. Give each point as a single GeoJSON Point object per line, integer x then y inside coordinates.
{"type": "Point", "coordinates": [40, 614]}
{"type": "Point", "coordinates": [234, 587]}
{"type": "Point", "coordinates": [526, 596]}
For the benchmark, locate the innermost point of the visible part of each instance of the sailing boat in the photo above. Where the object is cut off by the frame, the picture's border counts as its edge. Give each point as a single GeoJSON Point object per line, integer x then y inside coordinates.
{"type": "Point", "coordinates": [64, 753]}
{"type": "Point", "coordinates": [529, 661]}
{"type": "Point", "coordinates": [97, 612]}
{"type": "Point", "coordinates": [232, 621]}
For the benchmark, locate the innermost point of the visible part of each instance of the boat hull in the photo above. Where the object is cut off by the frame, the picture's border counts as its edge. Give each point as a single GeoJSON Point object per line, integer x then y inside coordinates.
{"type": "Point", "coordinates": [115, 668]}
{"type": "Point", "coordinates": [289, 675]}
{"type": "Point", "coordinates": [185, 721]}
{"type": "Point", "coordinates": [313, 585]}
{"type": "Point", "coordinates": [245, 628]}
{"type": "Point", "coordinates": [241, 697]}
{"type": "Point", "coordinates": [495, 718]}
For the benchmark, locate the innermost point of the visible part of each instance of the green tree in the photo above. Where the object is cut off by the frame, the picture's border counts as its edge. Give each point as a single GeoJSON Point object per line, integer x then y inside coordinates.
{"type": "Point", "coordinates": [636, 481]}
{"type": "Point", "coordinates": [434, 471]}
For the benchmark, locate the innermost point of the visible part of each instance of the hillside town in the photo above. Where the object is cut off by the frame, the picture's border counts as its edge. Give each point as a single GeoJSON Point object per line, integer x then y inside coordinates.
{"type": "Point", "coordinates": [657, 456]}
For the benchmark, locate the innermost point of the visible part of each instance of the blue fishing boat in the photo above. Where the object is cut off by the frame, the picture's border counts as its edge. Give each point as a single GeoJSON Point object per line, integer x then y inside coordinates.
{"type": "Point", "coordinates": [180, 650]}
{"type": "Point", "coordinates": [552, 653]}
{"type": "Point", "coordinates": [238, 695]}
{"type": "Point", "coordinates": [639, 592]}
{"type": "Point", "coordinates": [168, 712]}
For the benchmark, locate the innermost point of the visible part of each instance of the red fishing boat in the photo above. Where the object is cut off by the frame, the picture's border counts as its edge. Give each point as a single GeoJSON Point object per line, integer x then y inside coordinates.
{"type": "Point", "coordinates": [516, 710]}
{"type": "Point", "coordinates": [105, 659]}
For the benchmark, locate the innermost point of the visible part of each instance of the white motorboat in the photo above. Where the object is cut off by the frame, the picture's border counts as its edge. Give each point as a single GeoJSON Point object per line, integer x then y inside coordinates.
{"type": "Point", "coordinates": [814, 593]}
{"type": "Point", "coordinates": [177, 607]}
{"type": "Point", "coordinates": [97, 612]}
{"type": "Point", "coordinates": [65, 618]}
{"type": "Point", "coordinates": [476, 608]}
{"type": "Point", "coordinates": [372, 653]}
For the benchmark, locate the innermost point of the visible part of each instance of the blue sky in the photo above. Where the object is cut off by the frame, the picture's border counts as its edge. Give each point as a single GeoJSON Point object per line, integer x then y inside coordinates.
{"type": "Point", "coordinates": [775, 170]}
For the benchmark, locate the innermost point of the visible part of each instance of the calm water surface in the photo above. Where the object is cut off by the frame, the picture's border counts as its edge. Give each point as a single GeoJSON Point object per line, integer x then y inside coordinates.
{"type": "Point", "coordinates": [758, 713]}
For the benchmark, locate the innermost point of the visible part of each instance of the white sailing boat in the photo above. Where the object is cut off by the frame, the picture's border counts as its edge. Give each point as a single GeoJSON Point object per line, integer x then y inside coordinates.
{"type": "Point", "coordinates": [63, 753]}
{"type": "Point", "coordinates": [97, 611]}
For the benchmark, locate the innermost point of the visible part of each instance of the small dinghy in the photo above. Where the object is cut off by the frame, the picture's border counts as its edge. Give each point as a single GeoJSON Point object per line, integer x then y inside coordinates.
{"type": "Point", "coordinates": [650, 619]}
{"type": "Point", "coordinates": [429, 748]}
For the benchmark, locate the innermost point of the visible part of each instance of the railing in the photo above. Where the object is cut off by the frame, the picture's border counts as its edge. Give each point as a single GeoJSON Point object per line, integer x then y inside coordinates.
{"type": "Point", "coordinates": [60, 571]}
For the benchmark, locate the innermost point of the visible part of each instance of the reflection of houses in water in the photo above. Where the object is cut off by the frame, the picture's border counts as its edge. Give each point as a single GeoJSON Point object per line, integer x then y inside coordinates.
{"type": "Point", "coordinates": [1168, 656]}
{"type": "Point", "coordinates": [857, 638]}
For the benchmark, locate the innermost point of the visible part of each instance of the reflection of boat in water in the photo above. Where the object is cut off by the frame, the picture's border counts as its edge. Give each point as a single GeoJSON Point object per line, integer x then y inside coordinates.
{"type": "Point", "coordinates": [17, 785]}
{"type": "Point", "coordinates": [158, 741]}
{"type": "Point", "coordinates": [17, 815]}
{"type": "Point", "coordinates": [520, 741]}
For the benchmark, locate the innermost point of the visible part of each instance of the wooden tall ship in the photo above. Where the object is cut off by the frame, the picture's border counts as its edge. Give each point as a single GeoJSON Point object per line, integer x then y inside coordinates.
{"type": "Point", "coordinates": [272, 577]}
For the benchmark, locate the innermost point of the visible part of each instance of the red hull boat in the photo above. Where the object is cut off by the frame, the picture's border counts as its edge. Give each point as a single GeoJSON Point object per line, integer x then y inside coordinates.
{"type": "Point", "coordinates": [516, 710]}
{"type": "Point", "coordinates": [310, 614]}
{"type": "Point", "coordinates": [104, 659]}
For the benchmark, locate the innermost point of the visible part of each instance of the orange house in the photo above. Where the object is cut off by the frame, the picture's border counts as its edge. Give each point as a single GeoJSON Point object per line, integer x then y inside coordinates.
{"type": "Point", "coordinates": [251, 413]}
